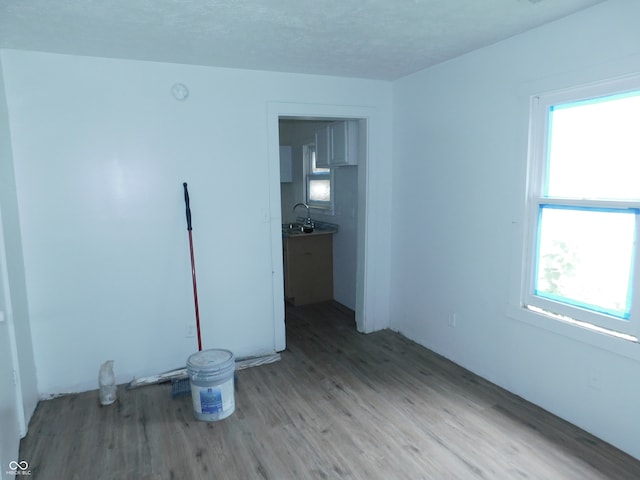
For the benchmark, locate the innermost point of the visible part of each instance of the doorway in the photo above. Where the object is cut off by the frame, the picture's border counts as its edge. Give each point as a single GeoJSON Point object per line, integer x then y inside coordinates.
{"type": "Point", "coordinates": [298, 123]}
{"type": "Point", "coordinates": [337, 208]}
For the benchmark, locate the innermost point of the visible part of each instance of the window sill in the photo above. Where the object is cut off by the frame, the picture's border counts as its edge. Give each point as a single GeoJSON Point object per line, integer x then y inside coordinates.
{"type": "Point", "coordinates": [619, 346]}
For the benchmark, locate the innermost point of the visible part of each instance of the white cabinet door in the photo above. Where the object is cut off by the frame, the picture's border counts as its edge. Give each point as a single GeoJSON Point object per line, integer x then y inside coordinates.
{"type": "Point", "coordinates": [337, 144]}
{"type": "Point", "coordinates": [346, 136]}
{"type": "Point", "coordinates": [323, 147]}
{"type": "Point", "coordinates": [339, 137]}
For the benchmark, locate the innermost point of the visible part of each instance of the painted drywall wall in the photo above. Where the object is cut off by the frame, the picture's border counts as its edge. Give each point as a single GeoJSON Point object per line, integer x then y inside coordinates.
{"type": "Point", "coordinates": [345, 241]}
{"type": "Point", "coordinates": [460, 153]}
{"type": "Point", "coordinates": [100, 151]}
{"type": "Point", "coordinates": [19, 395]}
{"type": "Point", "coordinates": [10, 411]}
{"type": "Point", "coordinates": [345, 216]}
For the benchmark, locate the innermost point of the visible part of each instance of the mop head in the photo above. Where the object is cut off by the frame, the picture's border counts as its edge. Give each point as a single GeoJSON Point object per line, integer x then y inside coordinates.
{"type": "Point", "coordinates": [180, 387]}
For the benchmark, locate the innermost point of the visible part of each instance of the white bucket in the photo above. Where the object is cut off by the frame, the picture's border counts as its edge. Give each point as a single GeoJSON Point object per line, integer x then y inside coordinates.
{"type": "Point", "coordinates": [211, 375]}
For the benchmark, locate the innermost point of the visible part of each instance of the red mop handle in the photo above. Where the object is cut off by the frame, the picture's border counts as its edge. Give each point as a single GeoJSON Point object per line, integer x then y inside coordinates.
{"type": "Point", "coordinates": [193, 264]}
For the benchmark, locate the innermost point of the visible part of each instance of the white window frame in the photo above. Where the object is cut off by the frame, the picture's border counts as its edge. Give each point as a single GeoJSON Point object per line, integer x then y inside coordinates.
{"type": "Point", "coordinates": [322, 208]}
{"type": "Point", "coordinates": [538, 137]}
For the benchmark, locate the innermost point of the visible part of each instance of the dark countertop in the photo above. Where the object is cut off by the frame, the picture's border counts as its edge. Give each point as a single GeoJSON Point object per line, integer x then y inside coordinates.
{"type": "Point", "coordinates": [321, 228]}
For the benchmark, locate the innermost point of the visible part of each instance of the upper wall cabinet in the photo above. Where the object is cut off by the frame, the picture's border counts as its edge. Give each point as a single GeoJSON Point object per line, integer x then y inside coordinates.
{"type": "Point", "coordinates": [337, 144]}
{"type": "Point", "coordinates": [286, 164]}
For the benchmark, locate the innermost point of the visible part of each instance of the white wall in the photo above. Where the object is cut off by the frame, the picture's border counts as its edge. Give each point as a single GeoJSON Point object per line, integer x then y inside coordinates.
{"type": "Point", "coordinates": [345, 241]}
{"type": "Point", "coordinates": [296, 134]}
{"type": "Point", "coordinates": [17, 401]}
{"type": "Point", "coordinates": [10, 411]}
{"type": "Point", "coordinates": [460, 152]}
{"type": "Point", "coordinates": [100, 150]}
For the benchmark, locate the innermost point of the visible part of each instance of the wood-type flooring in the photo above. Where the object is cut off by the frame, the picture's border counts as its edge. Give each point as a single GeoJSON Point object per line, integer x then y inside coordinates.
{"type": "Point", "coordinates": [338, 405]}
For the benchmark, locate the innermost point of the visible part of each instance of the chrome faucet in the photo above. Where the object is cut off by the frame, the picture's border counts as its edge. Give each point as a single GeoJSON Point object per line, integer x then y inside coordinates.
{"type": "Point", "coordinates": [308, 221]}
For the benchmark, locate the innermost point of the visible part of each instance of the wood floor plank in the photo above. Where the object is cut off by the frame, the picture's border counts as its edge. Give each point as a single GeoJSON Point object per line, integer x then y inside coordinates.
{"type": "Point", "coordinates": [339, 404]}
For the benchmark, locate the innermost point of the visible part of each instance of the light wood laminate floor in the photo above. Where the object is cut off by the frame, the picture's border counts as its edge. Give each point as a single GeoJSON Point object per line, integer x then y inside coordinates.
{"type": "Point", "coordinates": [338, 405]}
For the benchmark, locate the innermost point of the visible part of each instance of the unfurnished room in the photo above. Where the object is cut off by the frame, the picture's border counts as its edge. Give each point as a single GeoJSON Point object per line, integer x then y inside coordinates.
{"type": "Point", "coordinates": [289, 239]}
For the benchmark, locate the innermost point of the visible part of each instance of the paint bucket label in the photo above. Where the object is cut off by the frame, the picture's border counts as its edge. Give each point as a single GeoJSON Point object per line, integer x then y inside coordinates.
{"type": "Point", "coordinates": [214, 399]}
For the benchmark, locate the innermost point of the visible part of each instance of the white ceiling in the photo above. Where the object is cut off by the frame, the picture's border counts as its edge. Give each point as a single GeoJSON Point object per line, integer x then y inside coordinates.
{"type": "Point", "coordinates": [378, 39]}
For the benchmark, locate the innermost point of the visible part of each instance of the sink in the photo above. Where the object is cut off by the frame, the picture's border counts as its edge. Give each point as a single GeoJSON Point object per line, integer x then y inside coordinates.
{"type": "Point", "coordinates": [295, 229]}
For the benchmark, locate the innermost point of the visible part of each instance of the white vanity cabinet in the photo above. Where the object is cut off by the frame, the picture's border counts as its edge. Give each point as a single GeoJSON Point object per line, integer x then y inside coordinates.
{"type": "Point", "coordinates": [337, 144]}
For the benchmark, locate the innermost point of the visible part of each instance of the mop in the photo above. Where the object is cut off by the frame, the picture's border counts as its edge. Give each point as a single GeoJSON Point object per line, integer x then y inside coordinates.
{"type": "Point", "coordinates": [180, 384]}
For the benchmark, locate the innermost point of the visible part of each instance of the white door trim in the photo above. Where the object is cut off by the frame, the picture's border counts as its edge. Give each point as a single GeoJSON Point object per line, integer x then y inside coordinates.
{"type": "Point", "coordinates": [13, 344]}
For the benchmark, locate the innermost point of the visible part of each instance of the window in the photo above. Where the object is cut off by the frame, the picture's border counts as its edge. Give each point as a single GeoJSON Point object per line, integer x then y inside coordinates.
{"type": "Point", "coordinates": [318, 182]}
{"type": "Point", "coordinates": [583, 207]}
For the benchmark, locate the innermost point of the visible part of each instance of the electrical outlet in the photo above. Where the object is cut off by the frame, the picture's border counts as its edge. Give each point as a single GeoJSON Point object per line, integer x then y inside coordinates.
{"type": "Point", "coordinates": [189, 330]}
{"type": "Point", "coordinates": [453, 320]}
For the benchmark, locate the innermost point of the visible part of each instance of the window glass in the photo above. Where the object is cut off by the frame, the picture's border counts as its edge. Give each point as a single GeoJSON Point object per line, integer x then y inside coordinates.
{"type": "Point", "coordinates": [318, 183]}
{"type": "Point", "coordinates": [594, 148]}
{"type": "Point", "coordinates": [319, 190]}
{"type": "Point", "coordinates": [585, 257]}
{"type": "Point", "coordinates": [314, 169]}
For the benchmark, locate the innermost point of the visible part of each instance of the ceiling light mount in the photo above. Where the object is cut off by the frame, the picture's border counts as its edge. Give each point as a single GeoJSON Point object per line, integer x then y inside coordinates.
{"type": "Point", "coordinates": [180, 91]}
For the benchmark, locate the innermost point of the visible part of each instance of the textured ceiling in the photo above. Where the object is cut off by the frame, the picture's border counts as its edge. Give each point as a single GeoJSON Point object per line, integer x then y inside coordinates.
{"type": "Point", "coordinates": [380, 39]}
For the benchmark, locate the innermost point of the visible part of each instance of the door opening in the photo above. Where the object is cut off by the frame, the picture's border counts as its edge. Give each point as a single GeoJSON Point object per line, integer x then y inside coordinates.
{"type": "Point", "coordinates": [295, 126]}
{"type": "Point", "coordinates": [322, 265]}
